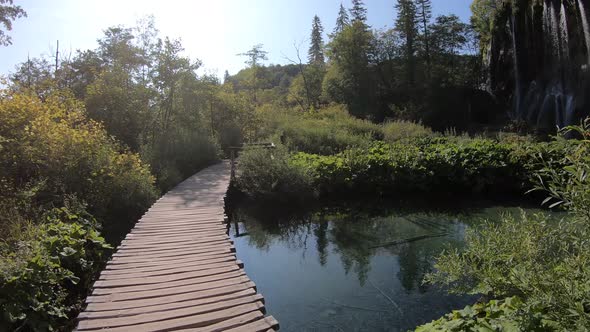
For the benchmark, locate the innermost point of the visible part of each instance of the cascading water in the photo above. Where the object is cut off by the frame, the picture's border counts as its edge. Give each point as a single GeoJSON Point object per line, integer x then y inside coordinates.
{"type": "Point", "coordinates": [554, 30]}
{"type": "Point", "coordinates": [548, 50]}
{"type": "Point", "coordinates": [586, 28]}
{"type": "Point", "coordinates": [518, 90]}
{"type": "Point", "coordinates": [563, 33]}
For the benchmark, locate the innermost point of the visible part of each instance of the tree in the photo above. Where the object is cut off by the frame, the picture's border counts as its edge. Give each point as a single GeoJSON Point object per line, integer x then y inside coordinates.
{"type": "Point", "coordinates": [35, 73]}
{"type": "Point", "coordinates": [348, 79]}
{"type": "Point", "coordinates": [358, 11]}
{"type": "Point", "coordinates": [406, 25]}
{"type": "Point", "coordinates": [482, 19]}
{"type": "Point", "coordinates": [449, 36]}
{"type": "Point", "coordinates": [226, 77]}
{"type": "Point", "coordinates": [255, 55]}
{"type": "Point", "coordinates": [316, 49]}
{"type": "Point", "coordinates": [8, 13]}
{"type": "Point", "coordinates": [342, 21]}
{"type": "Point", "coordinates": [425, 16]}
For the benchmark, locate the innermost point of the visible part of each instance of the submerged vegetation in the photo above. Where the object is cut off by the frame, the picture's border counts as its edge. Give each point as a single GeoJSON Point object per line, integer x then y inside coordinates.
{"type": "Point", "coordinates": [88, 143]}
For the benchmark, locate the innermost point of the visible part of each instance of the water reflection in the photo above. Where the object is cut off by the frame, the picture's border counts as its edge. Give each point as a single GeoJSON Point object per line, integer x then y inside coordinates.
{"type": "Point", "coordinates": [348, 269]}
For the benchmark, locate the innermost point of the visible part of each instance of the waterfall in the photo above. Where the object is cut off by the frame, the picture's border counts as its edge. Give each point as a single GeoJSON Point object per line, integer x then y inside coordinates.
{"type": "Point", "coordinates": [586, 28]}
{"type": "Point", "coordinates": [517, 88]}
{"type": "Point", "coordinates": [565, 38]}
{"type": "Point", "coordinates": [554, 21]}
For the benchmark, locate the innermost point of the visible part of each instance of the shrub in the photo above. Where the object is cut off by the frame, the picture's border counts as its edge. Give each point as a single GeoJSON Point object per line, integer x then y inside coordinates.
{"type": "Point", "coordinates": [545, 264]}
{"type": "Point", "coordinates": [49, 144]}
{"type": "Point", "coordinates": [46, 269]}
{"type": "Point", "coordinates": [325, 131]}
{"type": "Point", "coordinates": [265, 174]}
{"type": "Point", "coordinates": [475, 166]}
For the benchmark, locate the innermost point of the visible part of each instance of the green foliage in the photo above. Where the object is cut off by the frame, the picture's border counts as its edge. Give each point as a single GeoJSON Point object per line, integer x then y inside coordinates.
{"type": "Point", "coordinates": [46, 270]}
{"type": "Point", "coordinates": [495, 315]}
{"type": "Point", "coordinates": [397, 130]}
{"type": "Point", "coordinates": [349, 51]}
{"type": "Point", "coordinates": [566, 178]}
{"type": "Point", "coordinates": [306, 88]}
{"type": "Point", "coordinates": [8, 13]}
{"type": "Point", "coordinates": [316, 48]}
{"type": "Point", "coordinates": [268, 174]}
{"type": "Point", "coordinates": [51, 146]}
{"type": "Point", "coordinates": [546, 264]}
{"type": "Point", "coordinates": [326, 131]}
{"type": "Point", "coordinates": [429, 165]}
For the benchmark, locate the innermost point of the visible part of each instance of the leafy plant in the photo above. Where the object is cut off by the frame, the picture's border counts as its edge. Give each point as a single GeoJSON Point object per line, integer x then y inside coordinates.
{"type": "Point", "coordinates": [495, 315]}
{"type": "Point", "coordinates": [46, 272]}
{"type": "Point", "coordinates": [545, 264]}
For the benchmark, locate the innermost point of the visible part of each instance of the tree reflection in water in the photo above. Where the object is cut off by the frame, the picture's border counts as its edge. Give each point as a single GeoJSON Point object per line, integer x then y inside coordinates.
{"type": "Point", "coordinates": [356, 236]}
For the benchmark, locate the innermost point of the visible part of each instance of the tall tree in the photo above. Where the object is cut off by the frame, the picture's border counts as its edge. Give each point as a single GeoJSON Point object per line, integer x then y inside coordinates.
{"type": "Point", "coordinates": [342, 21]}
{"type": "Point", "coordinates": [226, 77]}
{"type": "Point", "coordinates": [449, 35]}
{"type": "Point", "coordinates": [348, 78]}
{"type": "Point", "coordinates": [8, 13]}
{"type": "Point", "coordinates": [255, 55]}
{"type": "Point", "coordinates": [425, 16]}
{"type": "Point", "coordinates": [406, 25]}
{"type": "Point", "coordinates": [316, 49]}
{"type": "Point", "coordinates": [358, 11]}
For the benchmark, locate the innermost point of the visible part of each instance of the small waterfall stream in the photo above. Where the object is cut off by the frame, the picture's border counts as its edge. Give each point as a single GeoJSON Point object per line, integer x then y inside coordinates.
{"type": "Point", "coordinates": [586, 28]}
{"type": "Point", "coordinates": [564, 34]}
{"type": "Point", "coordinates": [518, 90]}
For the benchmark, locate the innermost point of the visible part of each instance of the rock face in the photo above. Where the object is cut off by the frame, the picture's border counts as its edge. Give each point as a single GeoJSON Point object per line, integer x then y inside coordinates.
{"type": "Point", "coordinates": [540, 61]}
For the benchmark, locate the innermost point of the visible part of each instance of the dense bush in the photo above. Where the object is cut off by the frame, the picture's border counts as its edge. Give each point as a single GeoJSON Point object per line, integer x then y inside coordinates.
{"type": "Point", "coordinates": [326, 131]}
{"type": "Point", "coordinates": [477, 166]}
{"type": "Point", "coordinates": [268, 174]}
{"type": "Point", "coordinates": [50, 146]}
{"type": "Point", "coordinates": [51, 155]}
{"type": "Point", "coordinates": [546, 264]}
{"type": "Point", "coordinates": [47, 268]}
{"type": "Point", "coordinates": [456, 165]}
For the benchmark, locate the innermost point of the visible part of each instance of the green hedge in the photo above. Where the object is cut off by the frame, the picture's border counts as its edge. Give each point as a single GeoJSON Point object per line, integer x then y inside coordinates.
{"type": "Point", "coordinates": [430, 165]}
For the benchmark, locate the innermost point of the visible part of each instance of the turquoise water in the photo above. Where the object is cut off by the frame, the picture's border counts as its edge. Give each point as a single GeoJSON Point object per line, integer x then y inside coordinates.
{"type": "Point", "coordinates": [349, 270]}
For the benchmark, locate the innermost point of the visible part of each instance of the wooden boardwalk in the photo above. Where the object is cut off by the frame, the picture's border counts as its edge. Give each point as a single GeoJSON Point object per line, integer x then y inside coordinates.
{"type": "Point", "coordinates": [176, 270]}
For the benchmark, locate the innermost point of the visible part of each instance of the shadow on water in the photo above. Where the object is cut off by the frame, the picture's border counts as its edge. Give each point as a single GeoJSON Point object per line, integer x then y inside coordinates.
{"type": "Point", "coordinates": [353, 266]}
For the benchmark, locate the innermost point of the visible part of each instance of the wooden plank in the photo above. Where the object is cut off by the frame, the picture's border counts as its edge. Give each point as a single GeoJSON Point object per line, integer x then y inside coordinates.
{"type": "Point", "coordinates": [166, 266]}
{"type": "Point", "coordinates": [169, 271]}
{"type": "Point", "coordinates": [260, 325]}
{"type": "Point", "coordinates": [204, 255]}
{"type": "Point", "coordinates": [109, 283]}
{"type": "Point", "coordinates": [171, 311]}
{"type": "Point", "coordinates": [165, 263]}
{"type": "Point", "coordinates": [117, 309]}
{"type": "Point", "coordinates": [192, 321]}
{"type": "Point", "coordinates": [230, 323]}
{"type": "Point", "coordinates": [204, 250]}
{"type": "Point", "coordinates": [178, 229]}
{"type": "Point", "coordinates": [205, 240]}
{"type": "Point", "coordinates": [177, 235]}
{"type": "Point", "coordinates": [151, 290]}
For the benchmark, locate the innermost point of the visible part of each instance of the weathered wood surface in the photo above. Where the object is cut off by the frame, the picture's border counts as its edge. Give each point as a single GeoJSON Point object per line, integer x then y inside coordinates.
{"type": "Point", "coordinates": [176, 270]}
